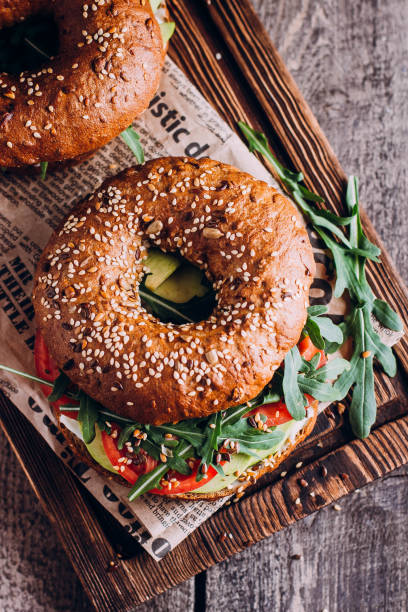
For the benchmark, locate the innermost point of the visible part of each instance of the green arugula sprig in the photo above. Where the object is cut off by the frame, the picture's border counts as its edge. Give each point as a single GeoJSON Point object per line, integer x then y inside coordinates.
{"type": "Point", "coordinates": [43, 169]}
{"type": "Point", "coordinates": [350, 253]}
{"type": "Point", "coordinates": [319, 217]}
{"type": "Point", "coordinates": [132, 139]}
{"type": "Point", "coordinates": [321, 328]}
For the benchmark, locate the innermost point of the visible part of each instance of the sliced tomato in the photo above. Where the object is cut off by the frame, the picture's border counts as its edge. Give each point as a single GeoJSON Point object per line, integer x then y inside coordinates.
{"type": "Point", "coordinates": [185, 483]}
{"type": "Point", "coordinates": [276, 413]}
{"type": "Point", "coordinates": [308, 350]}
{"type": "Point", "coordinates": [142, 464]}
{"type": "Point", "coordinates": [47, 369]}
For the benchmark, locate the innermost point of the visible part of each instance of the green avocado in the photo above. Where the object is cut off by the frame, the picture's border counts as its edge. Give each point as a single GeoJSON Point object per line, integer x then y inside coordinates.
{"type": "Point", "coordinates": [167, 30]}
{"type": "Point", "coordinates": [183, 285]}
{"type": "Point", "coordinates": [161, 266]}
{"type": "Point", "coordinates": [97, 451]}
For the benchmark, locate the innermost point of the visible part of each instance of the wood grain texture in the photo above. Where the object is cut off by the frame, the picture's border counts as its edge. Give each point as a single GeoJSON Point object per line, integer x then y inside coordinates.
{"type": "Point", "coordinates": [261, 578]}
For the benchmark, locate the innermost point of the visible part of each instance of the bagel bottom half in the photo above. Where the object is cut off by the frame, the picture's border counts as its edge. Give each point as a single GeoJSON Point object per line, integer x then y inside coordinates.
{"type": "Point", "coordinates": [246, 479]}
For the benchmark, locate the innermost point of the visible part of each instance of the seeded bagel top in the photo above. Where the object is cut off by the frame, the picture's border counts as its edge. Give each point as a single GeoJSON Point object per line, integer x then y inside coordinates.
{"type": "Point", "coordinates": [105, 74]}
{"type": "Point", "coordinates": [246, 236]}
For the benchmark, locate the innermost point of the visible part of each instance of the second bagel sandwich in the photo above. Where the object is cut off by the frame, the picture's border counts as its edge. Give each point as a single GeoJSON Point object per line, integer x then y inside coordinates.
{"type": "Point", "coordinates": [165, 304]}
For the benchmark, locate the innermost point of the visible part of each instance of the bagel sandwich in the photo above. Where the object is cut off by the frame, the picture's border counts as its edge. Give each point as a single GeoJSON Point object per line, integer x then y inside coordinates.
{"type": "Point", "coordinates": [103, 76]}
{"type": "Point", "coordinates": [166, 303]}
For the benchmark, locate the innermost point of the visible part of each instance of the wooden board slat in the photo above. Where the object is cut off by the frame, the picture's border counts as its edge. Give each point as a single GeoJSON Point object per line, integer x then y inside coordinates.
{"type": "Point", "coordinates": [251, 83]}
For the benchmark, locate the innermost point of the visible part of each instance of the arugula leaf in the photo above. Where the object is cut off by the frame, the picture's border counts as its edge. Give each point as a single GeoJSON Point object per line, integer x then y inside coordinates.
{"type": "Point", "coordinates": [317, 310]}
{"type": "Point", "coordinates": [152, 479]}
{"type": "Point", "coordinates": [386, 315]}
{"type": "Point", "coordinates": [357, 237]}
{"type": "Point", "coordinates": [312, 329]}
{"type": "Point", "coordinates": [37, 379]}
{"type": "Point", "coordinates": [329, 330]}
{"type": "Point", "coordinates": [60, 386]}
{"type": "Point", "coordinates": [125, 434]}
{"type": "Point", "coordinates": [177, 462]}
{"type": "Point", "coordinates": [319, 390]}
{"type": "Point", "coordinates": [322, 328]}
{"type": "Point", "coordinates": [160, 305]}
{"type": "Point", "coordinates": [186, 430]}
{"type": "Point", "coordinates": [258, 142]}
{"type": "Point", "coordinates": [132, 139]}
{"type": "Point", "coordinates": [331, 370]}
{"type": "Point", "coordinates": [210, 444]}
{"type": "Point", "coordinates": [363, 408]}
{"type": "Point", "coordinates": [88, 416]}
{"type": "Point", "coordinates": [152, 449]}
{"type": "Point", "coordinates": [294, 399]}
{"type": "Point", "coordinates": [346, 277]}
{"type": "Point", "coordinates": [381, 351]}
{"type": "Point", "coordinates": [232, 415]}
{"type": "Point", "coordinates": [195, 309]}
{"type": "Point", "coordinates": [250, 437]}
{"type": "Point", "coordinates": [270, 397]}
{"type": "Point", "coordinates": [349, 254]}
{"type": "Point", "coordinates": [44, 167]}
{"type": "Point", "coordinates": [148, 481]}
{"type": "Point", "coordinates": [333, 347]}
{"type": "Point", "coordinates": [103, 426]}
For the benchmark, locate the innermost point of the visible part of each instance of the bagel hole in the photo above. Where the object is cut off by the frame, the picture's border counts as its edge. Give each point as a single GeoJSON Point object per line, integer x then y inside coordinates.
{"type": "Point", "coordinates": [28, 45]}
{"type": "Point", "coordinates": [184, 294]}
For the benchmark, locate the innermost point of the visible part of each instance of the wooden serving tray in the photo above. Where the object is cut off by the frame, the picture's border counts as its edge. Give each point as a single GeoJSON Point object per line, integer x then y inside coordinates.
{"type": "Point", "coordinates": [251, 83]}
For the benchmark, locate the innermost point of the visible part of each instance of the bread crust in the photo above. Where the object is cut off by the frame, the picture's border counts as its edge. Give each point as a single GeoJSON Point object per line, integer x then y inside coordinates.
{"type": "Point", "coordinates": [257, 470]}
{"type": "Point", "coordinates": [251, 243]}
{"type": "Point", "coordinates": [104, 76]}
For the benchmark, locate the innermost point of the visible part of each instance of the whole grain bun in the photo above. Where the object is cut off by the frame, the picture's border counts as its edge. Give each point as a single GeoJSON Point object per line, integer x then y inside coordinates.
{"type": "Point", "coordinates": [245, 480]}
{"type": "Point", "coordinates": [105, 74]}
{"type": "Point", "coordinates": [245, 235]}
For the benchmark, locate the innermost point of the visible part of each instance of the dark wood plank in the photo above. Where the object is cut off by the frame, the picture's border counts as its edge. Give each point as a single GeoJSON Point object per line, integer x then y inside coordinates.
{"type": "Point", "coordinates": [36, 573]}
{"type": "Point", "coordinates": [347, 560]}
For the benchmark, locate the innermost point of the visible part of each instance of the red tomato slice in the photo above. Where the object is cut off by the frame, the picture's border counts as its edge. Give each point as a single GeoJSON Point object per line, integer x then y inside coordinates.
{"type": "Point", "coordinates": [308, 350]}
{"type": "Point", "coordinates": [142, 463]}
{"type": "Point", "coordinates": [185, 483]}
{"type": "Point", "coordinates": [47, 369]}
{"type": "Point", "coordinates": [276, 413]}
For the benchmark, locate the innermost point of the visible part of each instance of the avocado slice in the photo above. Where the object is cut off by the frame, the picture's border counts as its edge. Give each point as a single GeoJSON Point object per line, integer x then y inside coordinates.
{"type": "Point", "coordinates": [97, 451]}
{"type": "Point", "coordinates": [167, 30]}
{"type": "Point", "coordinates": [161, 266]}
{"type": "Point", "coordinates": [155, 4]}
{"type": "Point", "coordinates": [183, 285]}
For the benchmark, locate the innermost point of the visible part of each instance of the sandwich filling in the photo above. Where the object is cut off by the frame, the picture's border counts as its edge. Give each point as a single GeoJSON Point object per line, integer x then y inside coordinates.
{"type": "Point", "coordinates": [236, 470]}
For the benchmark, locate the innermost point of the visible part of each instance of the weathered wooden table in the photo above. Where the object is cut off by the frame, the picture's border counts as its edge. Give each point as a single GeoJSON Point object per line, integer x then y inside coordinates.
{"type": "Point", "coordinates": [351, 62]}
